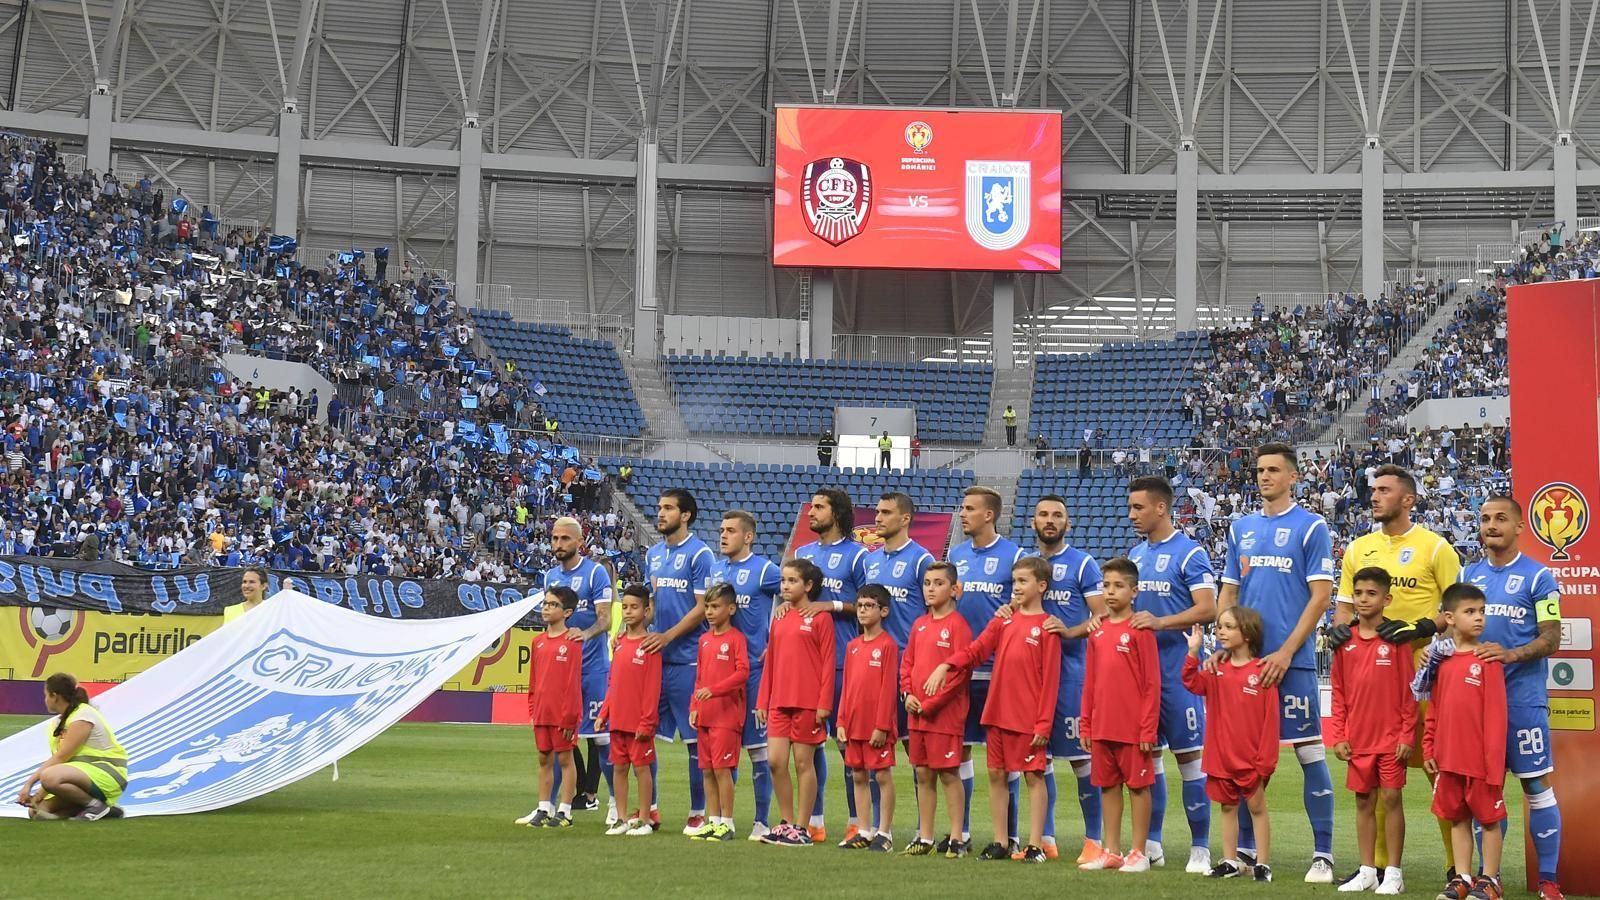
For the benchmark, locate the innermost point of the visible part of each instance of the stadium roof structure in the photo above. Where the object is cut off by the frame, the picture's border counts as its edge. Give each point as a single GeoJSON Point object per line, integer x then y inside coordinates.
{"type": "Point", "coordinates": [1215, 149]}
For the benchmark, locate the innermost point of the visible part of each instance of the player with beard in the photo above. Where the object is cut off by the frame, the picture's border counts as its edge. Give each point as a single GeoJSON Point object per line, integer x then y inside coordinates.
{"type": "Point", "coordinates": [679, 569]}
{"type": "Point", "coordinates": [1073, 596]}
{"type": "Point", "coordinates": [842, 561]}
{"type": "Point", "coordinates": [1421, 565]}
{"type": "Point", "coordinates": [590, 623]}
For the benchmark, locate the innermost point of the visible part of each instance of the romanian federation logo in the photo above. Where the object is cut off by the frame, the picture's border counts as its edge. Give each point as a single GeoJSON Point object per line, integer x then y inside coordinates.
{"type": "Point", "coordinates": [918, 136]}
{"type": "Point", "coordinates": [998, 202]}
{"type": "Point", "coordinates": [1560, 516]}
{"type": "Point", "coordinates": [837, 196]}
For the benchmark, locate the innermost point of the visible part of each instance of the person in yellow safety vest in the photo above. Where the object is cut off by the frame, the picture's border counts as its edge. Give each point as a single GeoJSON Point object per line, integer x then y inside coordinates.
{"type": "Point", "coordinates": [253, 588]}
{"type": "Point", "coordinates": [1010, 418]}
{"type": "Point", "coordinates": [885, 445]}
{"type": "Point", "coordinates": [551, 426]}
{"type": "Point", "coordinates": [625, 474]}
{"type": "Point", "coordinates": [263, 398]}
{"type": "Point", "coordinates": [87, 768]}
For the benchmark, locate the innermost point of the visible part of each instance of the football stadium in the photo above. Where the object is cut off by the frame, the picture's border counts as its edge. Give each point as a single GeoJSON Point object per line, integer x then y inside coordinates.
{"type": "Point", "coordinates": [770, 447]}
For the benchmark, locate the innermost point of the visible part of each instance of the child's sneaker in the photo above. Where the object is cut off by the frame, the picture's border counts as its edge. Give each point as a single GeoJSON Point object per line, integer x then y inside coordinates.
{"type": "Point", "coordinates": [561, 820]}
{"type": "Point", "coordinates": [1136, 862]}
{"type": "Point", "coordinates": [1106, 860]}
{"type": "Point", "coordinates": [918, 847]}
{"type": "Point", "coordinates": [856, 841]}
{"type": "Point", "coordinates": [1031, 854]}
{"type": "Point", "coordinates": [703, 833]}
{"type": "Point", "coordinates": [721, 833]}
{"type": "Point", "coordinates": [639, 828]}
{"type": "Point", "coordinates": [772, 834]}
{"type": "Point", "coordinates": [1394, 883]}
{"type": "Point", "coordinates": [1364, 879]}
{"type": "Point", "coordinates": [528, 819]}
{"type": "Point", "coordinates": [655, 820]}
{"type": "Point", "coordinates": [882, 844]}
{"type": "Point", "coordinates": [1457, 888]}
{"type": "Point", "coordinates": [958, 849]}
{"type": "Point", "coordinates": [1486, 888]}
{"type": "Point", "coordinates": [994, 851]}
{"type": "Point", "coordinates": [618, 828]}
{"type": "Point", "coordinates": [539, 819]}
{"type": "Point", "coordinates": [1226, 869]}
{"type": "Point", "coordinates": [1263, 872]}
{"type": "Point", "coordinates": [759, 831]}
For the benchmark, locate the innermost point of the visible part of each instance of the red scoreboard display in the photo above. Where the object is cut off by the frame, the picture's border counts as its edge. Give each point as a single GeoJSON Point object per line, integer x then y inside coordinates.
{"type": "Point", "coordinates": [885, 188]}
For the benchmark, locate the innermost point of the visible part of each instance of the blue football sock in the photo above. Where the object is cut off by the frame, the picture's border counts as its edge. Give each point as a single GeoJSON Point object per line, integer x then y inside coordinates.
{"type": "Point", "coordinates": [1319, 804]}
{"type": "Point", "coordinates": [697, 784]}
{"type": "Point", "coordinates": [1544, 826]}
{"type": "Point", "coordinates": [1198, 808]}
{"type": "Point", "coordinates": [1158, 803]}
{"type": "Point", "coordinates": [1050, 804]}
{"type": "Point", "coordinates": [872, 790]}
{"type": "Point", "coordinates": [1247, 830]}
{"type": "Point", "coordinates": [822, 781]}
{"type": "Point", "coordinates": [1014, 792]}
{"type": "Point", "coordinates": [761, 783]}
{"type": "Point", "coordinates": [1089, 802]}
{"type": "Point", "coordinates": [555, 785]}
{"type": "Point", "coordinates": [655, 784]}
{"type": "Point", "coordinates": [850, 794]}
{"type": "Point", "coordinates": [967, 782]}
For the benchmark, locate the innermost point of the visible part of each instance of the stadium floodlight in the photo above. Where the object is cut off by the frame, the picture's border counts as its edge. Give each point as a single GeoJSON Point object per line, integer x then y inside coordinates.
{"type": "Point", "coordinates": [1502, 262]}
{"type": "Point", "coordinates": [1485, 272]}
{"type": "Point", "coordinates": [1463, 281]}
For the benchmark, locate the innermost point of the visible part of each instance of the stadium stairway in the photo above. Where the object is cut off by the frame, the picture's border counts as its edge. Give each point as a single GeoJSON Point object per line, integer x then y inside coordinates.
{"type": "Point", "coordinates": [661, 416]}
{"type": "Point", "coordinates": [1354, 419]}
{"type": "Point", "coordinates": [1016, 388]}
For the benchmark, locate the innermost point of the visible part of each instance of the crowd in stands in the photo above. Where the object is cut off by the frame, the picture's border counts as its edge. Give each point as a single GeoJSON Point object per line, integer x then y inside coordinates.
{"type": "Point", "coordinates": [125, 439]}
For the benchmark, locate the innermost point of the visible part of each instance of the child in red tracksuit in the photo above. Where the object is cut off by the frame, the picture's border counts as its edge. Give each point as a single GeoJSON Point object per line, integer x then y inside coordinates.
{"type": "Point", "coordinates": [1374, 717]}
{"type": "Point", "coordinates": [555, 703]}
{"type": "Point", "coordinates": [867, 719]}
{"type": "Point", "coordinates": [796, 697]}
{"type": "Point", "coordinates": [1463, 743]}
{"type": "Point", "coordinates": [1241, 749]}
{"type": "Point", "coordinates": [1021, 708]}
{"type": "Point", "coordinates": [937, 721]}
{"type": "Point", "coordinates": [1121, 708]}
{"type": "Point", "coordinates": [632, 709]}
{"type": "Point", "coordinates": [717, 709]}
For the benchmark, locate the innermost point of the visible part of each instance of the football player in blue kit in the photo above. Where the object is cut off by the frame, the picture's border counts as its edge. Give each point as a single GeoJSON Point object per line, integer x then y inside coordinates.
{"type": "Point", "coordinates": [755, 582]}
{"type": "Point", "coordinates": [1073, 596]}
{"type": "Point", "coordinates": [1177, 590]}
{"type": "Point", "coordinates": [983, 561]}
{"type": "Point", "coordinates": [842, 559]}
{"type": "Point", "coordinates": [679, 569]}
{"type": "Point", "coordinates": [593, 583]}
{"type": "Point", "coordinates": [1280, 564]}
{"type": "Point", "coordinates": [898, 566]}
{"type": "Point", "coordinates": [1521, 628]}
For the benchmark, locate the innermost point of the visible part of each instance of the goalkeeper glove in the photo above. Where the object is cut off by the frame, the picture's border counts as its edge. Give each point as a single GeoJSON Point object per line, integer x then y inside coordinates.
{"type": "Point", "coordinates": [1337, 636]}
{"type": "Point", "coordinates": [1397, 631]}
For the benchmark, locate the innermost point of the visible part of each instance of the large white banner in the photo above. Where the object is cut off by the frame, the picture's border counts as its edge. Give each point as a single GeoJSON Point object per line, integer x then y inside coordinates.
{"type": "Point", "coordinates": [272, 697]}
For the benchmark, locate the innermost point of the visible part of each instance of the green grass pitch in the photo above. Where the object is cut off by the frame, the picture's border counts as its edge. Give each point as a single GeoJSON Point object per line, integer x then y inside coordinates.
{"type": "Point", "coordinates": [426, 810]}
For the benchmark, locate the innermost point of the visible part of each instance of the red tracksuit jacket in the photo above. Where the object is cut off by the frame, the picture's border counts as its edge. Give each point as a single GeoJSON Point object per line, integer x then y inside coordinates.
{"type": "Point", "coordinates": [933, 642]}
{"type": "Point", "coordinates": [555, 681]}
{"type": "Point", "coordinates": [723, 666]}
{"type": "Point", "coordinates": [1121, 685]}
{"type": "Point", "coordinates": [633, 691]}
{"type": "Point", "coordinates": [1373, 707]}
{"type": "Point", "coordinates": [798, 673]}
{"type": "Point", "coordinates": [871, 687]}
{"type": "Point", "coordinates": [1466, 724]}
{"type": "Point", "coordinates": [1027, 673]}
{"type": "Point", "coordinates": [1241, 718]}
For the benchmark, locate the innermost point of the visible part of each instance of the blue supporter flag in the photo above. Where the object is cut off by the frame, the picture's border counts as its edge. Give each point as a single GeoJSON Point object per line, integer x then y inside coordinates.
{"type": "Point", "coordinates": [538, 388]}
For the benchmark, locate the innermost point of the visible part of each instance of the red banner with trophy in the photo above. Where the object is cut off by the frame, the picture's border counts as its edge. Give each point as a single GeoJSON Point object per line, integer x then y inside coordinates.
{"type": "Point", "coordinates": [930, 529]}
{"type": "Point", "coordinates": [1553, 331]}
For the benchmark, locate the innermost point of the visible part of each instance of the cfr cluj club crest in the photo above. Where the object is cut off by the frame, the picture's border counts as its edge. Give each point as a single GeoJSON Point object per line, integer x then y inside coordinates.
{"type": "Point", "coordinates": [837, 195]}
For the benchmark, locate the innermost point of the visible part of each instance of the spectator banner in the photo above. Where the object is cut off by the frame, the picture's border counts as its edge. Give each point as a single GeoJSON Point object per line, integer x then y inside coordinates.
{"type": "Point", "coordinates": [1555, 369]}
{"type": "Point", "coordinates": [107, 647]}
{"type": "Point", "coordinates": [930, 529]}
{"type": "Point", "coordinates": [884, 188]}
{"type": "Point", "coordinates": [270, 698]}
{"type": "Point", "coordinates": [117, 588]}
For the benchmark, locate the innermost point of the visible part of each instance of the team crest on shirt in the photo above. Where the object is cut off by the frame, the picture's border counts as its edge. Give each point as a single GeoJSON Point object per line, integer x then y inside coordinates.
{"type": "Point", "coordinates": [877, 653]}
{"type": "Point", "coordinates": [989, 565]}
{"type": "Point", "coordinates": [677, 561]}
{"type": "Point", "coordinates": [1513, 583]}
{"type": "Point", "coordinates": [1406, 555]}
{"type": "Point", "coordinates": [944, 634]}
{"type": "Point", "coordinates": [724, 647]}
{"type": "Point", "coordinates": [1475, 675]}
{"type": "Point", "coordinates": [1383, 656]}
{"type": "Point", "coordinates": [1251, 684]}
{"type": "Point", "coordinates": [900, 569]}
{"type": "Point", "coordinates": [1060, 572]}
{"type": "Point", "coordinates": [1123, 639]}
{"type": "Point", "coordinates": [1281, 537]}
{"type": "Point", "coordinates": [561, 650]}
{"type": "Point", "coordinates": [1163, 561]}
{"type": "Point", "coordinates": [638, 652]}
{"type": "Point", "coordinates": [1253, 680]}
{"type": "Point", "coordinates": [834, 559]}
{"type": "Point", "coordinates": [742, 577]}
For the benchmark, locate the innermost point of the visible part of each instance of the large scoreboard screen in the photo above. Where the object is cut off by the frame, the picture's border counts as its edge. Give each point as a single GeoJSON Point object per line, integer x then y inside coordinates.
{"type": "Point", "coordinates": [888, 188]}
